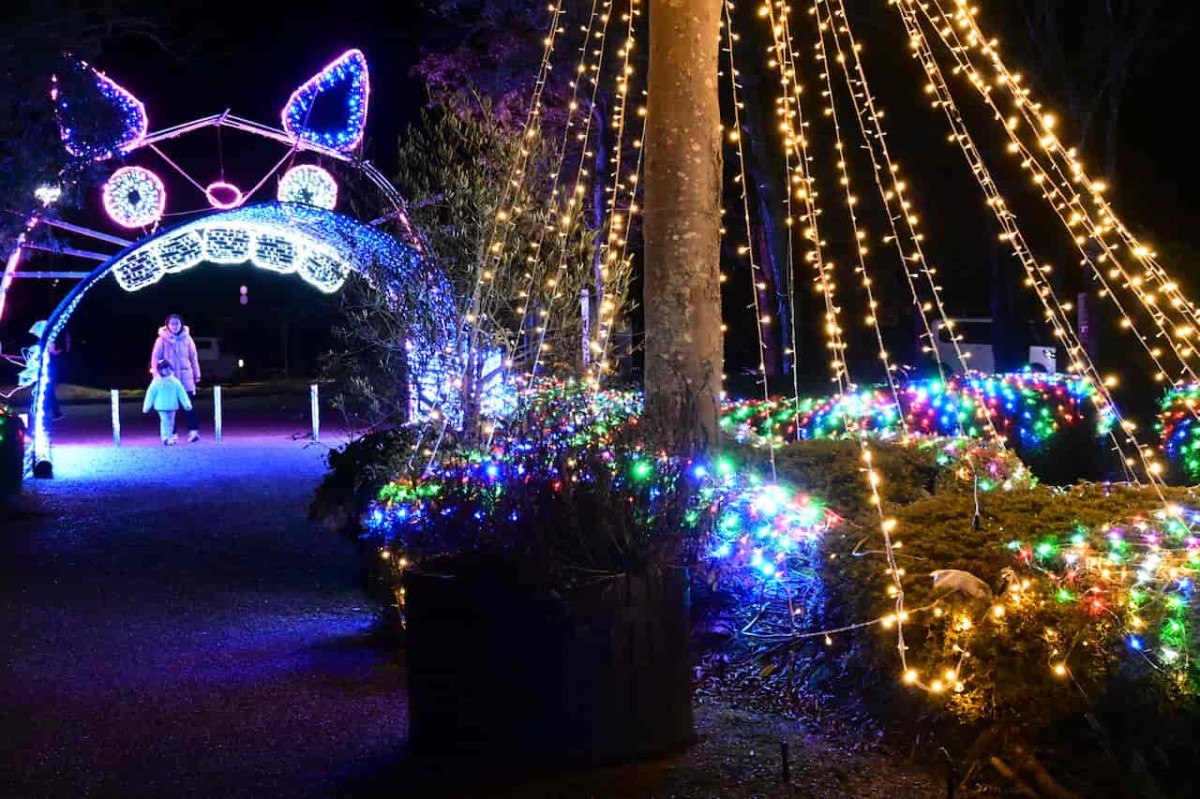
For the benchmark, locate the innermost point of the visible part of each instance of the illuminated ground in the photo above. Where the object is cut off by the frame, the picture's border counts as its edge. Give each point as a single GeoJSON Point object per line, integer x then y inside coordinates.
{"type": "Point", "coordinates": [173, 626]}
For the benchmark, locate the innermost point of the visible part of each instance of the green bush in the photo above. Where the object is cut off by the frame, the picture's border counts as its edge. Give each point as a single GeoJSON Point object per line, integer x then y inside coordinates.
{"type": "Point", "coordinates": [356, 473]}
{"type": "Point", "coordinates": [1061, 669]}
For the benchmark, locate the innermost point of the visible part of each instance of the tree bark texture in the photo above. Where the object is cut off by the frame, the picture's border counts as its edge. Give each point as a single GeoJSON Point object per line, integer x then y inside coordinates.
{"type": "Point", "coordinates": [682, 222]}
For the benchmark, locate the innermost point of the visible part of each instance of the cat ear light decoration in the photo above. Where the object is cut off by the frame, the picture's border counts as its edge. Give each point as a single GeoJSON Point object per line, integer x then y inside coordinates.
{"type": "Point", "coordinates": [97, 117]}
{"type": "Point", "coordinates": [330, 109]}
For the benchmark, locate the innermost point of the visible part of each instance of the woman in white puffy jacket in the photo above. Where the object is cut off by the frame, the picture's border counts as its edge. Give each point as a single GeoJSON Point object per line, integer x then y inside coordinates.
{"type": "Point", "coordinates": [175, 346]}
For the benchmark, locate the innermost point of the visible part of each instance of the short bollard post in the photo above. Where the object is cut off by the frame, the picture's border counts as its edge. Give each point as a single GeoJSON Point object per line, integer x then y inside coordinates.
{"type": "Point", "coordinates": [316, 412]}
{"type": "Point", "coordinates": [217, 414]}
{"type": "Point", "coordinates": [116, 417]}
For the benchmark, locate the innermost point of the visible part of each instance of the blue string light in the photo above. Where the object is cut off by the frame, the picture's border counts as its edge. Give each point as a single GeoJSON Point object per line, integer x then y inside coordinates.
{"type": "Point", "coordinates": [97, 127]}
{"type": "Point", "coordinates": [347, 73]}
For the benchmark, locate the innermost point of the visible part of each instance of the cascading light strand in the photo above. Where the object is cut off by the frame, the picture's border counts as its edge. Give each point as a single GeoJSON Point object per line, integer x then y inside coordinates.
{"type": "Point", "coordinates": [1064, 163]}
{"type": "Point", "coordinates": [735, 136]}
{"type": "Point", "coordinates": [1012, 235]}
{"type": "Point", "coordinates": [574, 203]}
{"type": "Point", "coordinates": [893, 196]}
{"type": "Point", "coordinates": [823, 24]}
{"type": "Point", "coordinates": [803, 184]}
{"type": "Point", "coordinates": [551, 211]}
{"type": "Point", "coordinates": [495, 246]}
{"type": "Point", "coordinates": [614, 234]}
{"type": "Point", "coordinates": [854, 426]}
{"type": "Point", "coordinates": [1071, 214]}
{"type": "Point", "coordinates": [1055, 312]}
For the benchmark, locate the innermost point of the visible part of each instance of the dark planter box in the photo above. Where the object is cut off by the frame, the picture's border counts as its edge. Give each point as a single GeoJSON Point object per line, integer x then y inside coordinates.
{"type": "Point", "coordinates": [12, 456]}
{"type": "Point", "coordinates": [602, 675]}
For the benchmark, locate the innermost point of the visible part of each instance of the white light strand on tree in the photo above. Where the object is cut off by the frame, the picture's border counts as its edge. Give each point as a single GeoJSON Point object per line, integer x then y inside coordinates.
{"type": "Point", "coordinates": [494, 250]}
{"type": "Point", "coordinates": [961, 136]}
{"type": "Point", "coordinates": [803, 184]}
{"type": "Point", "coordinates": [534, 254]}
{"type": "Point", "coordinates": [574, 203]}
{"type": "Point", "coordinates": [892, 191]}
{"type": "Point", "coordinates": [1065, 202]}
{"type": "Point", "coordinates": [1065, 163]}
{"type": "Point", "coordinates": [614, 235]}
{"type": "Point", "coordinates": [735, 137]}
{"type": "Point", "coordinates": [860, 236]}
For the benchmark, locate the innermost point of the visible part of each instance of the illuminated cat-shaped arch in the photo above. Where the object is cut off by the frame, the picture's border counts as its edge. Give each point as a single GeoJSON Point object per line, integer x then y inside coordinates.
{"type": "Point", "coordinates": [299, 231]}
{"type": "Point", "coordinates": [320, 246]}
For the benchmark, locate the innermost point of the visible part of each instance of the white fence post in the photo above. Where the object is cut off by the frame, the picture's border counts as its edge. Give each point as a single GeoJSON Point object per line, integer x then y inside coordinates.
{"type": "Point", "coordinates": [217, 414]}
{"type": "Point", "coordinates": [313, 397]}
{"type": "Point", "coordinates": [116, 417]}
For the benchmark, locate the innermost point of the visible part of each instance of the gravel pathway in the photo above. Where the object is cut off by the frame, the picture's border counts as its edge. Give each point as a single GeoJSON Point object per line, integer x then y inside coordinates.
{"type": "Point", "coordinates": [172, 626]}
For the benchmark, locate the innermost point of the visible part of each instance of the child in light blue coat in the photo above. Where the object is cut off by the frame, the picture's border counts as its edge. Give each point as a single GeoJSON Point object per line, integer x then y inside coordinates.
{"type": "Point", "coordinates": [166, 395]}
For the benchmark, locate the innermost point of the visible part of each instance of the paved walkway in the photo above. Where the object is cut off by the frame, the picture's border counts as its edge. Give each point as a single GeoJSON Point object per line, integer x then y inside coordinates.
{"type": "Point", "coordinates": [172, 626]}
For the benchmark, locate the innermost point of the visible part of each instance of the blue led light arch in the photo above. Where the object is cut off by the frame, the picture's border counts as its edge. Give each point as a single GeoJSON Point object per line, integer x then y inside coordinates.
{"type": "Point", "coordinates": [278, 237]}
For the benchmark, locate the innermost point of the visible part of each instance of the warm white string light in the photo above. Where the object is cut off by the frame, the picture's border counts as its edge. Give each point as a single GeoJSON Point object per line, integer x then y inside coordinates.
{"type": "Point", "coordinates": [894, 198]}
{"type": "Point", "coordinates": [579, 190]}
{"type": "Point", "coordinates": [493, 253]}
{"type": "Point", "coordinates": [1072, 214]}
{"type": "Point", "coordinates": [551, 211]}
{"type": "Point", "coordinates": [870, 129]}
{"type": "Point", "coordinates": [614, 237]}
{"type": "Point", "coordinates": [860, 236]}
{"type": "Point", "coordinates": [803, 183]}
{"type": "Point", "coordinates": [735, 137]}
{"type": "Point", "coordinates": [619, 218]}
{"type": "Point", "coordinates": [1067, 165]}
{"type": "Point", "coordinates": [1057, 315]}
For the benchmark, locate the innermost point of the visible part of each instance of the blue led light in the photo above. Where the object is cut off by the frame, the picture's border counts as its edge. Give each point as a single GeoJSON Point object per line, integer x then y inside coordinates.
{"type": "Point", "coordinates": [347, 75]}
{"type": "Point", "coordinates": [104, 121]}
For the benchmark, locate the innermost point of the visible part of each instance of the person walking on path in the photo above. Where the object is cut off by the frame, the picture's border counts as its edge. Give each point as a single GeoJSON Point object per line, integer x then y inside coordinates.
{"type": "Point", "coordinates": [165, 395]}
{"type": "Point", "coordinates": [175, 346]}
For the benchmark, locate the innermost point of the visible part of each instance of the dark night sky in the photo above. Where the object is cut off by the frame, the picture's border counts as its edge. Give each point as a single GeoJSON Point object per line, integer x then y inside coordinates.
{"type": "Point", "coordinates": [216, 59]}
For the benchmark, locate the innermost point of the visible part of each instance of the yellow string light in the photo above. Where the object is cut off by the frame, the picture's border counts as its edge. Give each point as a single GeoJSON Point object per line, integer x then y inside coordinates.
{"type": "Point", "coordinates": [755, 269]}
{"type": "Point", "coordinates": [1065, 201]}
{"type": "Point", "coordinates": [894, 198]}
{"type": "Point", "coordinates": [552, 212]}
{"type": "Point", "coordinates": [614, 237]}
{"type": "Point", "coordinates": [1056, 313]}
{"type": "Point", "coordinates": [1066, 162]}
{"type": "Point", "coordinates": [860, 235]}
{"type": "Point", "coordinates": [493, 251]}
{"type": "Point", "coordinates": [803, 184]}
{"type": "Point", "coordinates": [574, 202]}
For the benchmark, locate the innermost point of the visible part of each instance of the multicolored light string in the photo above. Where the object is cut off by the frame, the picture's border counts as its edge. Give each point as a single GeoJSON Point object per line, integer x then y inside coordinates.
{"type": "Point", "coordinates": [1028, 407]}
{"type": "Point", "coordinates": [1138, 577]}
{"type": "Point", "coordinates": [1179, 430]}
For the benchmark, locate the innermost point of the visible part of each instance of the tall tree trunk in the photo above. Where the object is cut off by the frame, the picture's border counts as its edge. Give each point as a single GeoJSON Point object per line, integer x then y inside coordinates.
{"type": "Point", "coordinates": [682, 226]}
